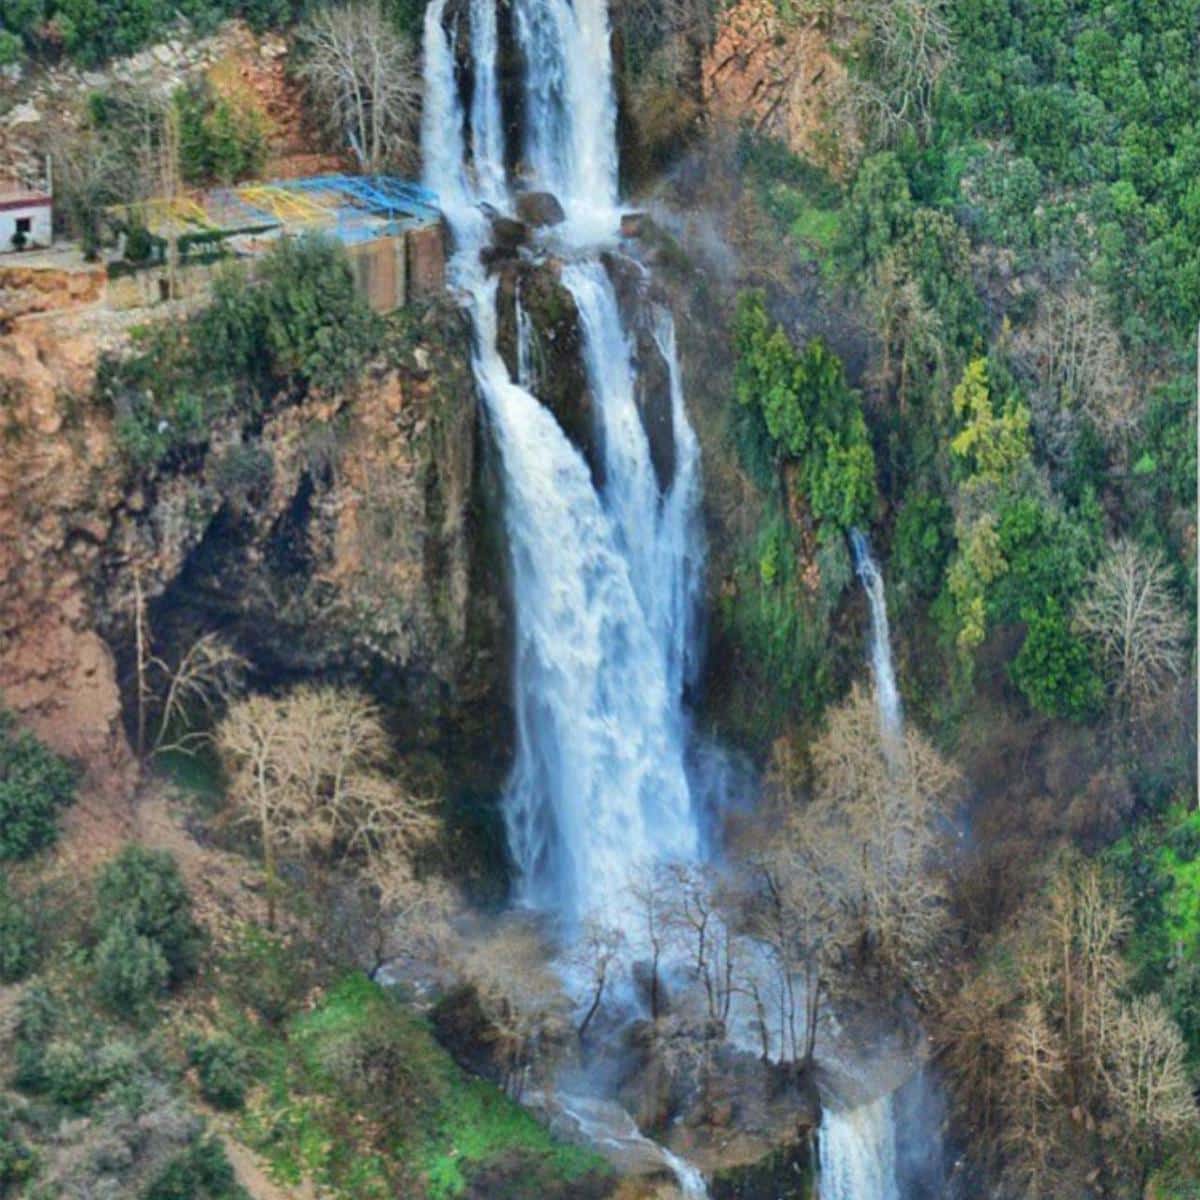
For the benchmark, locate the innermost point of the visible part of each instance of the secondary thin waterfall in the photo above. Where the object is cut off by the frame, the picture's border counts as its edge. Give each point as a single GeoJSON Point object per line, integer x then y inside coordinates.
{"type": "Point", "coordinates": [858, 1145]}
{"type": "Point", "coordinates": [887, 695]}
{"type": "Point", "coordinates": [858, 1153]}
{"type": "Point", "coordinates": [604, 582]}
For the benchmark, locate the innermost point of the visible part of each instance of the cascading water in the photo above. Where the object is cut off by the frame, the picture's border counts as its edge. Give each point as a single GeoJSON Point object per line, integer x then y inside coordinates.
{"type": "Point", "coordinates": [605, 582]}
{"type": "Point", "coordinates": [858, 1145]}
{"type": "Point", "coordinates": [602, 581]}
{"type": "Point", "coordinates": [887, 695]}
{"type": "Point", "coordinates": [858, 1153]}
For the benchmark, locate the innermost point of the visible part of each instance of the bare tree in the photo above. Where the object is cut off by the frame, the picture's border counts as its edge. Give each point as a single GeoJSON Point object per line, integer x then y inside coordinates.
{"type": "Point", "coordinates": [210, 674]}
{"type": "Point", "coordinates": [1149, 1083]}
{"type": "Point", "coordinates": [205, 679]}
{"type": "Point", "coordinates": [1035, 1063]}
{"type": "Point", "coordinates": [879, 812]}
{"type": "Point", "coordinates": [308, 770]}
{"type": "Point", "coordinates": [1073, 352]}
{"type": "Point", "coordinates": [596, 952]}
{"type": "Point", "coordinates": [699, 928]}
{"type": "Point", "coordinates": [90, 173]}
{"type": "Point", "coordinates": [1130, 612]}
{"type": "Point", "coordinates": [522, 999]}
{"type": "Point", "coordinates": [907, 45]}
{"type": "Point", "coordinates": [650, 891]}
{"type": "Point", "coordinates": [364, 81]}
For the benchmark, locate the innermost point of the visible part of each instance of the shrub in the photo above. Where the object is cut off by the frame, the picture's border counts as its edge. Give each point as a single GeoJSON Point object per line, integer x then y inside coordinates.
{"type": "Point", "coordinates": [1054, 668]}
{"type": "Point", "coordinates": [10, 52]}
{"type": "Point", "coordinates": [18, 938]}
{"type": "Point", "coordinates": [76, 1071]}
{"type": "Point", "coordinates": [302, 310]}
{"type": "Point", "coordinates": [143, 889]}
{"type": "Point", "coordinates": [298, 325]}
{"type": "Point", "coordinates": [201, 1172]}
{"type": "Point", "coordinates": [266, 975]}
{"type": "Point", "coordinates": [219, 140]}
{"type": "Point", "coordinates": [922, 544]}
{"type": "Point", "coordinates": [35, 784]}
{"type": "Point", "coordinates": [18, 1161]}
{"type": "Point", "coordinates": [221, 1069]}
{"type": "Point", "coordinates": [38, 1014]}
{"type": "Point", "coordinates": [131, 969]}
{"type": "Point", "coordinates": [809, 412]}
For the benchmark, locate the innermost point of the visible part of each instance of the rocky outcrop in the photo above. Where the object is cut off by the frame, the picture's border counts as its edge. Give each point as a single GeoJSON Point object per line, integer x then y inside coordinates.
{"type": "Point", "coordinates": [781, 73]}
{"type": "Point", "coordinates": [556, 348]}
{"type": "Point", "coordinates": [640, 314]}
{"type": "Point", "coordinates": [342, 537]}
{"type": "Point", "coordinates": [59, 485]}
{"type": "Point", "coordinates": [539, 209]}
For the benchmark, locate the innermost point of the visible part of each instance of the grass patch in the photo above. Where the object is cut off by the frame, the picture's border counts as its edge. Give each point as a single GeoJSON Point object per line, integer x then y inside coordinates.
{"type": "Point", "coordinates": [358, 1096]}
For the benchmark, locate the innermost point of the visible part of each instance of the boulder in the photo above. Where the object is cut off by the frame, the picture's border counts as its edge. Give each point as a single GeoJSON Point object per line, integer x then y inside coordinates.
{"type": "Point", "coordinates": [538, 209]}
{"type": "Point", "coordinates": [633, 224]}
{"type": "Point", "coordinates": [508, 236]}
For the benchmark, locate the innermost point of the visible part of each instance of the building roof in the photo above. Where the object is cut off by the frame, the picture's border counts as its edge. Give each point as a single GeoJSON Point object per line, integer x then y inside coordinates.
{"type": "Point", "coordinates": [351, 208]}
{"type": "Point", "coordinates": [16, 195]}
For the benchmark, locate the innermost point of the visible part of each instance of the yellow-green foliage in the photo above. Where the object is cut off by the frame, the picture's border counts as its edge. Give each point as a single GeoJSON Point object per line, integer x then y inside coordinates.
{"type": "Point", "coordinates": [992, 445]}
{"type": "Point", "coordinates": [979, 563]}
{"type": "Point", "coordinates": [810, 413]}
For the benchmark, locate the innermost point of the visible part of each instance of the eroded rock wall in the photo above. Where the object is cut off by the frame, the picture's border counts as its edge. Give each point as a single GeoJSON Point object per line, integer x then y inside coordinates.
{"type": "Point", "coordinates": [345, 537]}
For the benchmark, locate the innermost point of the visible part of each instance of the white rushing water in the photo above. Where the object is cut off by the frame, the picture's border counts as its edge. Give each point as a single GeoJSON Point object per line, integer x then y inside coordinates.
{"type": "Point", "coordinates": [858, 1153]}
{"type": "Point", "coordinates": [603, 582]}
{"type": "Point", "coordinates": [887, 695]}
{"type": "Point", "coordinates": [611, 1129]}
{"type": "Point", "coordinates": [858, 1145]}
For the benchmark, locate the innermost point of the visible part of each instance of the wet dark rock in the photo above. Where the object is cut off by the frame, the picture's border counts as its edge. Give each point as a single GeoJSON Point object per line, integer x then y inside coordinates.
{"type": "Point", "coordinates": [652, 390]}
{"type": "Point", "coordinates": [539, 209]}
{"type": "Point", "coordinates": [508, 235]}
{"type": "Point", "coordinates": [633, 224]}
{"type": "Point", "coordinates": [559, 375]}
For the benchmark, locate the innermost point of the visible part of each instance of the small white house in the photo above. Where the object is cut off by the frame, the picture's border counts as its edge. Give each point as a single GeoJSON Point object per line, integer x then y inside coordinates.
{"type": "Point", "coordinates": [25, 218]}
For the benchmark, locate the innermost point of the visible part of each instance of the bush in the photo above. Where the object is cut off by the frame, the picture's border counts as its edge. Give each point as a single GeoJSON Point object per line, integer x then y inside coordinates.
{"type": "Point", "coordinates": [202, 1172]}
{"type": "Point", "coordinates": [18, 1161]}
{"type": "Point", "coordinates": [1054, 668]}
{"type": "Point", "coordinates": [298, 325]}
{"type": "Point", "coordinates": [267, 975]}
{"type": "Point", "coordinates": [75, 1072]}
{"type": "Point", "coordinates": [922, 544]}
{"type": "Point", "coordinates": [38, 1015]}
{"type": "Point", "coordinates": [809, 411]}
{"type": "Point", "coordinates": [219, 141]}
{"type": "Point", "coordinates": [10, 52]}
{"type": "Point", "coordinates": [35, 785]}
{"type": "Point", "coordinates": [302, 310]}
{"type": "Point", "coordinates": [143, 890]}
{"type": "Point", "coordinates": [18, 938]}
{"type": "Point", "coordinates": [131, 969]}
{"type": "Point", "coordinates": [221, 1069]}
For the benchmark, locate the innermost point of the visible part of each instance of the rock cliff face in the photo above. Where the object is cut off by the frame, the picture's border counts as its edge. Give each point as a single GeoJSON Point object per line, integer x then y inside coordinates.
{"type": "Point", "coordinates": [344, 537]}
{"type": "Point", "coordinates": [781, 75]}
{"type": "Point", "coordinates": [59, 484]}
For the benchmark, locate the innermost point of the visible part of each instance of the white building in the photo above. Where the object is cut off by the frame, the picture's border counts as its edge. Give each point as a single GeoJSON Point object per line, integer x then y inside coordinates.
{"type": "Point", "coordinates": [25, 218]}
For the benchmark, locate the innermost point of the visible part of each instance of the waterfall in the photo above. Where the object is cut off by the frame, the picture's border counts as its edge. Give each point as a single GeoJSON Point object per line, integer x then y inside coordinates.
{"type": "Point", "coordinates": [887, 695]}
{"type": "Point", "coordinates": [858, 1145]}
{"type": "Point", "coordinates": [858, 1153]}
{"type": "Point", "coordinates": [604, 582]}
{"type": "Point", "coordinates": [570, 108]}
